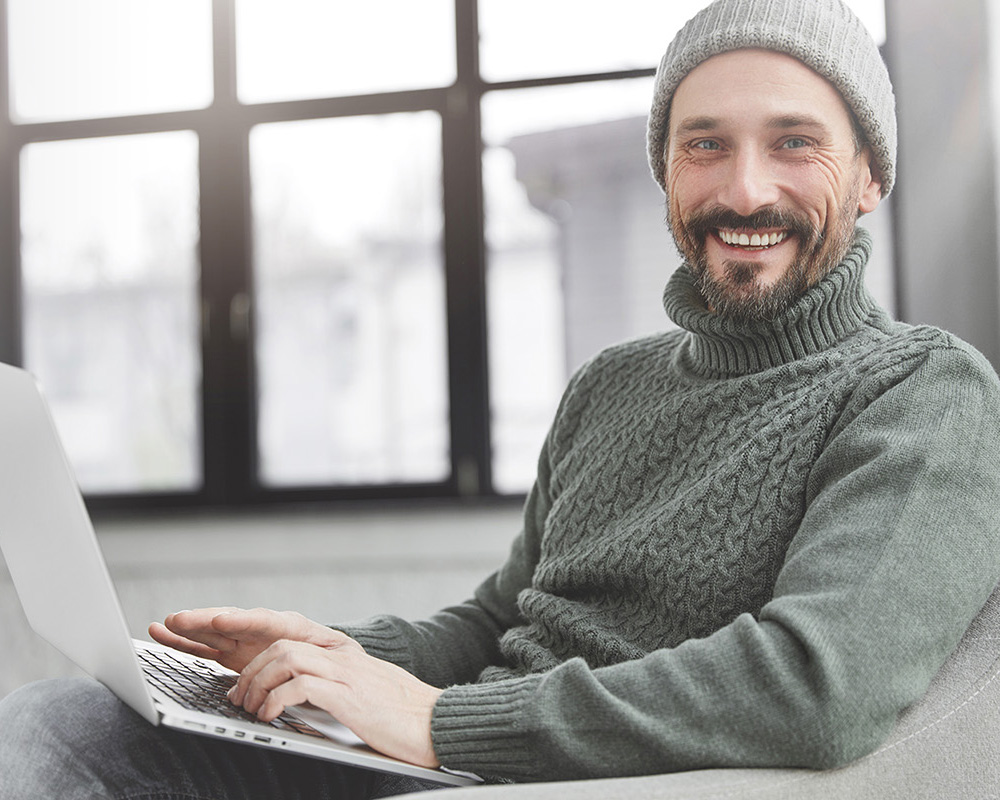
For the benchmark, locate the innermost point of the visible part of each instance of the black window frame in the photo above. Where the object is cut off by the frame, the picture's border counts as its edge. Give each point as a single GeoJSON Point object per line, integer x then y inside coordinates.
{"type": "Point", "coordinates": [228, 415]}
{"type": "Point", "coordinates": [228, 388]}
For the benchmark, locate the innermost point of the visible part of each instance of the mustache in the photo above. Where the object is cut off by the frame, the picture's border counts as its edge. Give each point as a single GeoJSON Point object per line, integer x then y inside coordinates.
{"type": "Point", "coordinates": [700, 224]}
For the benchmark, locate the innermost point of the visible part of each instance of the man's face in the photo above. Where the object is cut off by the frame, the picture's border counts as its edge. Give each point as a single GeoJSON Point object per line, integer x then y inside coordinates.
{"type": "Point", "coordinates": [764, 178]}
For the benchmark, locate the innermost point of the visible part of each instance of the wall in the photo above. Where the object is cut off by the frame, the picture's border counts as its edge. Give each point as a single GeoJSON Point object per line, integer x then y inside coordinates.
{"type": "Point", "coordinates": [946, 195]}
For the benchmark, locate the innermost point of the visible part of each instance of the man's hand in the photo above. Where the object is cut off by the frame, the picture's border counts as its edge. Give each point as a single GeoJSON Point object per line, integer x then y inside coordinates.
{"type": "Point", "coordinates": [285, 659]}
{"type": "Point", "coordinates": [385, 705]}
{"type": "Point", "coordinates": [235, 637]}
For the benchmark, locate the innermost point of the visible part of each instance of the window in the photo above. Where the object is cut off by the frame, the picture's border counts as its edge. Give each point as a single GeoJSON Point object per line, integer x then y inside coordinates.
{"type": "Point", "coordinates": [576, 246]}
{"type": "Point", "coordinates": [352, 379]}
{"type": "Point", "coordinates": [106, 58]}
{"type": "Point", "coordinates": [325, 250]}
{"type": "Point", "coordinates": [301, 49]}
{"type": "Point", "coordinates": [108, 239]}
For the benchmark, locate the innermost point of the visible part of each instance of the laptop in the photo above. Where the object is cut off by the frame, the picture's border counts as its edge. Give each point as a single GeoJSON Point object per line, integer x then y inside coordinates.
{"type": "Point", "coordinates": [48, 541]}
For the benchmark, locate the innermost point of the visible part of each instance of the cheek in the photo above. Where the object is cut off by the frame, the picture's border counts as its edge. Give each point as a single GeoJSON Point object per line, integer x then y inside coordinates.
{"type": "Point", "coordinates": [821, 188]}
{"type": "Point", "coordinates": [685, 187]}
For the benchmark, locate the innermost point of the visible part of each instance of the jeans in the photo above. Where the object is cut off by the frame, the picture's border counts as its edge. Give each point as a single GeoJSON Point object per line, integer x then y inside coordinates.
{"type": "Point", "coordinates": [72, 739]}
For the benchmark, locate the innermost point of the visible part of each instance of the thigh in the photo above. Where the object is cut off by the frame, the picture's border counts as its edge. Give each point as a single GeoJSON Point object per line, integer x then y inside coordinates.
{"type": "Point", "coordinates": [73, 739]}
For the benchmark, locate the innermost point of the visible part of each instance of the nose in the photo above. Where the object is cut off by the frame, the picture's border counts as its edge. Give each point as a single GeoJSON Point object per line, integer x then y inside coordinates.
{"type": "Point", "coordinates": [750, 184]}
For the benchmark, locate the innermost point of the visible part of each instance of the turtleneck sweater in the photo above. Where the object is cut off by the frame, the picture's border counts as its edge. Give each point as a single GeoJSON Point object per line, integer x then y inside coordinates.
{"type": "Point", "coordinates": [748, 544]}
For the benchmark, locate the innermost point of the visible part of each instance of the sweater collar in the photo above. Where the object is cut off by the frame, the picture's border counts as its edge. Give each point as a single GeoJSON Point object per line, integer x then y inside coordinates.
{"type": "Point", "coordinates": [826, 314]}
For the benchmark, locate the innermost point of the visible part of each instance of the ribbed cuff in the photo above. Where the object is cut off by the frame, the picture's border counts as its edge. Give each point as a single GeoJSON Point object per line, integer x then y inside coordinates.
{"type": "Point", "coordinates": [487, 728]}
{"type": "Point", "coordinates": [381, 639]}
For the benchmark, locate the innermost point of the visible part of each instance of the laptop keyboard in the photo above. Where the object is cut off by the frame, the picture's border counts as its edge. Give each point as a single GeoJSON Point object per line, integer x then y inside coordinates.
{"type": "Point", "coordinates": [199, 688]}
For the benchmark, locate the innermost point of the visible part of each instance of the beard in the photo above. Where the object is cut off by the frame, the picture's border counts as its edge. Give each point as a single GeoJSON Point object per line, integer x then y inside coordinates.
{"type": "Point", "coordinates": [737, 293]}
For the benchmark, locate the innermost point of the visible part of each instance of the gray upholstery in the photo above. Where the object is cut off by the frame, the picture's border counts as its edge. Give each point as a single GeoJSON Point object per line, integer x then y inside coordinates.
{"type": "Point", "coordinates": [945, 747]}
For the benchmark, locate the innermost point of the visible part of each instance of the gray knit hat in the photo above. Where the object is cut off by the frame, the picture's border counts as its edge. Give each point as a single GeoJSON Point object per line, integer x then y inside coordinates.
{"type": "Point", "coordinates": [823, 34]}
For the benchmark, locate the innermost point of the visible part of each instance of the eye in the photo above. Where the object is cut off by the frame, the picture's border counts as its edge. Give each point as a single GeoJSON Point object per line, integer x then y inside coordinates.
{"type": "Point", "coordinates": [795, 143]}
{"type": "Point", "coordinates": [709, 145]}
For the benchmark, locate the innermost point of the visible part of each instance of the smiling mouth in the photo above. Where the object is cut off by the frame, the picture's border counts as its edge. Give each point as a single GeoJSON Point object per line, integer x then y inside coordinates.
{"type": "Point", "coordinates": [752, 241]}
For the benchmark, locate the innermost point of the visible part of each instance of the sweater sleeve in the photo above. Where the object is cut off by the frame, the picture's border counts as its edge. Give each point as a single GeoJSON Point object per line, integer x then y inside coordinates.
{"type": "Point", "coordinates": [896, 552]}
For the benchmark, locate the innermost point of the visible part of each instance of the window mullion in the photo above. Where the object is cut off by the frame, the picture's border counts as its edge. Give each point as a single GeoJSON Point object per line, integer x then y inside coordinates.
{"type": "Point", "coordinates": [465, 265]}
{"type": "Point", "coordinates": [228, 427]}
{"type": "Point", "coordinates": [10, 291]}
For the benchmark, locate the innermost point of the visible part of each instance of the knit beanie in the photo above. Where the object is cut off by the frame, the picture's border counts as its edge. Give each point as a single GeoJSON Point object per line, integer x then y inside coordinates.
{"type": "Point", "coordinates": [823, 34]}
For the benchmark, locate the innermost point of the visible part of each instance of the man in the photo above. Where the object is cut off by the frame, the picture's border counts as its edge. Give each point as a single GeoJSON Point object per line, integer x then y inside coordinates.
{"type": "Point", "coordinates": [751, 542]}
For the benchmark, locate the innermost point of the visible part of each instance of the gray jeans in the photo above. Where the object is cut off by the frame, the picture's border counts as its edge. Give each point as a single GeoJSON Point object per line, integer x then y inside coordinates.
{"type": "Point", "coordinates": [72, 739]}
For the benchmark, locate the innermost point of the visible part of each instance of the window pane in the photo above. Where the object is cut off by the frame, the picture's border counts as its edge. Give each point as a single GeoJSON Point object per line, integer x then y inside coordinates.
{"type": "Point", "coordinates": [525, 38]}
{"type": "Point", "coordinates": [71, 59]}
{"type": "Point", "coordinates": [577, 246]}
{"type": "Point", "coordinates": [318, 48]}
{"type": "Point", "coordinates": [351, 352]}
{"type": "Point", "coordinates": [109, 232]}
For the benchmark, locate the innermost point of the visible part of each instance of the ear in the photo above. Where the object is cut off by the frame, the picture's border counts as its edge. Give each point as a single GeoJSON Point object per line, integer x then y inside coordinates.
{"type": "Point", "coordinates": [871, 183]}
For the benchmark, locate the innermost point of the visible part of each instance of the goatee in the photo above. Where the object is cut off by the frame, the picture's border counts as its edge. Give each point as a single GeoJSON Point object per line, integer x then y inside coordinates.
{"type": "Point", "coordinates": [737, 293]}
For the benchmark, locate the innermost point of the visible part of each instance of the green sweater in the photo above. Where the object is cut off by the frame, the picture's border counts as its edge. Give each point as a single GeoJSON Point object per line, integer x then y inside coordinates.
{"type": "Point", "coordinates": [747, 545]}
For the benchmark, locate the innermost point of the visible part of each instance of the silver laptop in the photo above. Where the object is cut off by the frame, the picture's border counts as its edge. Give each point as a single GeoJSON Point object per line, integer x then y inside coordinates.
{"type": "Point", "coordinates": [63, 583]}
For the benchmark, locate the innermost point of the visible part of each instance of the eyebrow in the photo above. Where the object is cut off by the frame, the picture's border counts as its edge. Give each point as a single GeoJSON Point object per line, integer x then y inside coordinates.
{"type": "Point", "coordinates": [697, 125]}
{"type": "Point", "coordinates": [796, 121]}
{"type": "Point", "coordinates": [784, 122]}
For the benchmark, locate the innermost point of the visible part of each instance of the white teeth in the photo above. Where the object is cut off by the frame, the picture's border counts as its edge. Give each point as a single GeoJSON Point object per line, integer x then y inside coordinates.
{"type": "Point", "coordinates": [752, 240]}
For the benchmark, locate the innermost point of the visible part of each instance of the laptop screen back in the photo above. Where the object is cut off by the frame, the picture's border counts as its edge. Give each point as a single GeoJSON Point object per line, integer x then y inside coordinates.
{"type": "Point", "coordinates": [48, 542]}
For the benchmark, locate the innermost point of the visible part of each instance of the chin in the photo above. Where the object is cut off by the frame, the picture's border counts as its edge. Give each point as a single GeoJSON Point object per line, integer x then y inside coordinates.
{"type": "Point", "coordinates": [748, 274]}
{"type": "Point", "coordinates": [743, 293]}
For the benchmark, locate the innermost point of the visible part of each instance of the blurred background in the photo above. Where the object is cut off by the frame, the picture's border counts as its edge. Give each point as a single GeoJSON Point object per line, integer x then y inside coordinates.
{"type": "Point", "coordinates": [304, 281]}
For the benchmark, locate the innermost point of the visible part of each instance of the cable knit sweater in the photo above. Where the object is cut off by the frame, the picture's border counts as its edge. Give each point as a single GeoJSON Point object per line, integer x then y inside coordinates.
{"type": "Point", "coordinates": [747, 545]}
